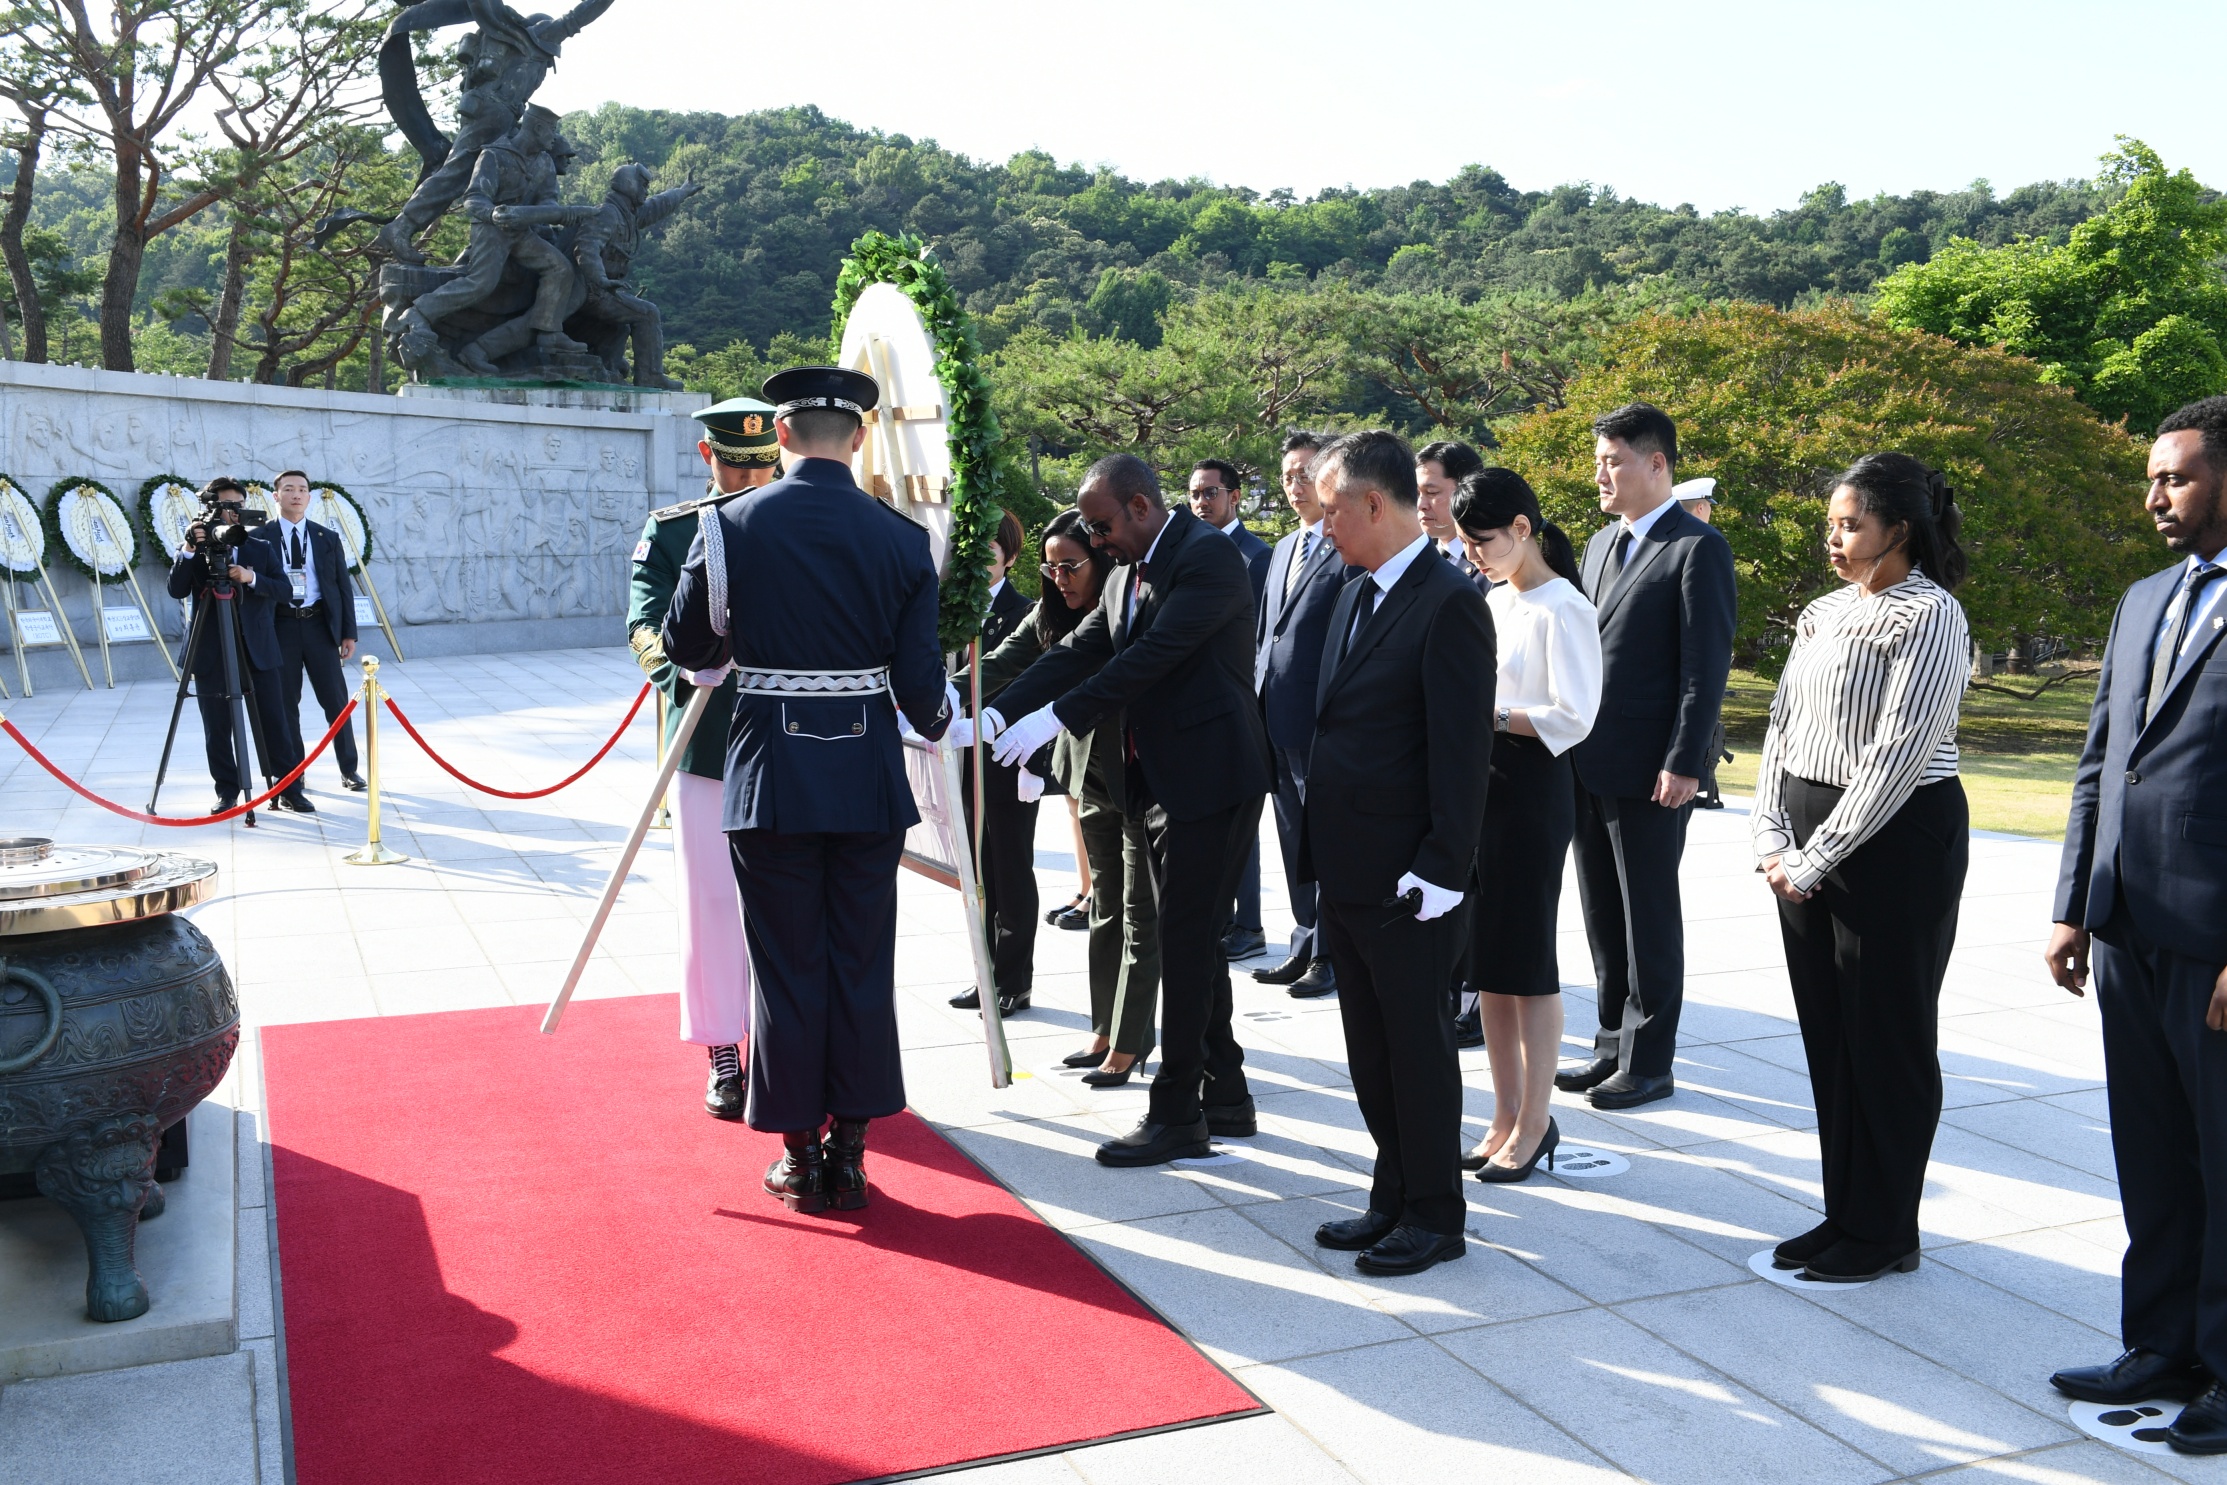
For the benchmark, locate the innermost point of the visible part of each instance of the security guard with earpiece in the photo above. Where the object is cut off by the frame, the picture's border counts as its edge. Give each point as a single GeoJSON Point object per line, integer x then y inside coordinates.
{"type": "Point", "coordinates": [739, 447]}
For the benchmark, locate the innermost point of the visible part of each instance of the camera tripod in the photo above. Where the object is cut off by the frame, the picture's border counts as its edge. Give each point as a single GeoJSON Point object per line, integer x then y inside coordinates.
{"type": "Point", "coordinates": [221, 598]}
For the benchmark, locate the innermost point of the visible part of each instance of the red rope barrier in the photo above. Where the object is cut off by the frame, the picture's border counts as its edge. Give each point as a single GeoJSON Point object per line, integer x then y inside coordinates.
{"type": "Point", "coordinates": [639, 697]}
{"type": "Point", "coordinates": [145, 819]}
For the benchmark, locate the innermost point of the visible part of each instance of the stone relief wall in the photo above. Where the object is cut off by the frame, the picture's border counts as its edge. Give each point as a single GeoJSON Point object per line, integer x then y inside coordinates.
{"type": "Point", "coordinates": [499, 522]}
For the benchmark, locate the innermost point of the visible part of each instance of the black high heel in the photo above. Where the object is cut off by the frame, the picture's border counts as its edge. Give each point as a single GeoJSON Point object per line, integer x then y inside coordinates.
{"type": "Point", "coordinates": [1103, 1079]}
{"type": "Point", "coordinates": [1083, 1059]}
{"type": "Point", "coordinates": [1476, 1158]}
{"type": "Point", "coordinates": [1499, 1174]}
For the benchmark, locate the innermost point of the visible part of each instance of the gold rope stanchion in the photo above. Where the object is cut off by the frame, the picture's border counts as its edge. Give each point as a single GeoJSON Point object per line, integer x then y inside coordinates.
{"type": "Point", "coordinates": [373, 853]}
{"type": "Point", "coordinates": [664, 820]}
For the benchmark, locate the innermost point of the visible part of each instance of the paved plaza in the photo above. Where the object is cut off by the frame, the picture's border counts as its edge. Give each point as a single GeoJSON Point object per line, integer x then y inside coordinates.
{"type": "Point", "coordinates": [1600, 1327]}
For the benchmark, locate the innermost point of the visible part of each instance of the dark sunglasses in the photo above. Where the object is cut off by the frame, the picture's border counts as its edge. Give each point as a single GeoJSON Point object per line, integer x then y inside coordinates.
{"type": "Point", "coordinates": [1208, 492]}
{"type": "Point", "coordinates": [1098, 530]}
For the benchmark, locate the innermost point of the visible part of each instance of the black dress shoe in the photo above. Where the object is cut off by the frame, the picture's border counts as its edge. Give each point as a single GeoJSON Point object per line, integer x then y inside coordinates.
{"type": "Point", "coordinates": [1469, 1027]}
{"type": "Point", "coordinates": [224, 802]}
{"type": "Point", "coordinates": [1284, 973]}
{"type": "Point", "coordinates": [1796, 1252]}
{"type": "Point", "coordinates": [353, 783]}
{"type": "Point", "coordinates": [1100, 1078]}
{"type": "Point", "coordinates": [1352, 1234]}
{"type": "Point", "coordinates": [1408, 1249]}
{"type": "Point", "coordinates": [799, 1177]}
{"type": "Point", "coordinates": [1626, 1091]}
{"type": "Point", "coordinates": [1011, 1004]}
{"type": "Point", "coordinates": [294, 804]}
{"type": "Point", "coordinates": [1157, 1144]}
{"type": "Point", "coordinates": [1586, 1078]}
{"type": "Point", "coordinates": [1243, 943]}
{"type": "Point", "coordinates": [1084, 1058]}
{"type": "Point", "coordinates": [2202, 1426]}
{"type": "Point", "coordinates": [845, 1154]}
{"type": "Point", "coordinates": [1080, 900]}
{"type": "Point", "coordinates": [1232, 1121]}
{"type": "Point", "coordinates": [966, 1000]}
{"type": "Point", "coordinates": [2137, 1376]}
{"type": "Point", "coordinates": [1073, 919]}
{"type": "Point", "coordinates": [724, 1097]}
{"type": "Point", "coordinates": [1319, 980]}
{"type": "Point", "coordinates": [1854, 1261]}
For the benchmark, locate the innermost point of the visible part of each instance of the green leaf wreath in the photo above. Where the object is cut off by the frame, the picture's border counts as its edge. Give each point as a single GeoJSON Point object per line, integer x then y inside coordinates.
{"type": "Point", "coordinates": [158, 548]}
{"type": "Point", "coordinates": [51, 514]}
{"type": "Point", "coordinates": [904, 260]}
{"type": "Point", "coordinates": [363, 520]}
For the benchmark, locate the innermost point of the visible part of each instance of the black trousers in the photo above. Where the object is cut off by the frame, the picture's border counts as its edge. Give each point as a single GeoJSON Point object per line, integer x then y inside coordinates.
{"type": "Point", "coordinates": [1008, 874]}
{"type": "Point", "coordinates": [307, 647]}
{"type": "Point", "coordinates": [1195, 867]}
{"type": "Point", "coordinates": [207, 665]}
{"type": "Point", "coordinates": [1866, 955]}
{"type": "Point", "coordinates": [1290, 802]}
{"type": "Point", "coordinates": [1124, 931]}
{"type": "Point", "coordinates": [1627, 879]}
{"type": "Point", "coordinates": [2167, 1075]}
{"type": "Point", "coordinates": [1399, 1039]}
{"type": "Point", "coordinates": [820, 915]}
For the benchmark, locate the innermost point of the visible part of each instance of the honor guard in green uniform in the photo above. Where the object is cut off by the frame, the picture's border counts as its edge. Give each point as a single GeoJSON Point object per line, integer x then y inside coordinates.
{"type": "Point", "coordinates": [740, 448]}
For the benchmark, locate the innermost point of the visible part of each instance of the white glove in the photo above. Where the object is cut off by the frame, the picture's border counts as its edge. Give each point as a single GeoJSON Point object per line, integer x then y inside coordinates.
{"type": "Point", "coordinates": [1029, 787]}
{"type": "Point", "coordinates": [1024, 737]}
{"type": "Point", "coordinates": [706, 679]}
{"type": "Point", "coordinates": [951, 707]}
{"type": "Point", "coordinates": [961, 733]}
{"type": "Point", "coordinates": [990, 724]}
{"type": "Point", "coordinates": [1437, 901]}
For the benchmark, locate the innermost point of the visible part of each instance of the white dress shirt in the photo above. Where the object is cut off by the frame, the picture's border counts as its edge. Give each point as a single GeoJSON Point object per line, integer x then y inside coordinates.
{"type": "Point", "coordinates": [286, 533]}
{"type": "Point", "coordinates": [1384, 577]}
{"type": "Point", "coordinates": [2197, 621]}
{"type": "Point", "coordinates": [1549, 643]}
{"type": "Point", "coordinates": [1129, 614]}
{"type": "Point", "coordinates": [1231, 529]}
{"type": "Point", "coordinates": [1642, 526]}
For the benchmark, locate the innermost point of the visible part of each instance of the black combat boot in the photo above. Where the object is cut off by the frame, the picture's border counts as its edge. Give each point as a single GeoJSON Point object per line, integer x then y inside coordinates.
{"type": "Point", "coordinates": [846, 1165]}
{"type": "Point", "coordinates": [729, 1088]}
{"type": "Point", "coordinates": [799, 1177]}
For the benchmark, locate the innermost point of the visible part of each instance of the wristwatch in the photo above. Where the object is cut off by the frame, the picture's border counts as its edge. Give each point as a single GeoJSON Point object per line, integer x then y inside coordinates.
{"type": "Point", "coordinates": [1500, 720]}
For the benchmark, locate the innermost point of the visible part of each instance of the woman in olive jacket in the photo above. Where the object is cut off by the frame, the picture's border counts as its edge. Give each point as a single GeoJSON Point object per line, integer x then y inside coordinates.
{"type": "Point", "coordinates": [1124, 948]}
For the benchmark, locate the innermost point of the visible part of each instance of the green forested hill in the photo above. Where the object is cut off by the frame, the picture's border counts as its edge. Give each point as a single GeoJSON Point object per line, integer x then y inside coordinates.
{"type": "Point", "coordinates": [1030, 241]}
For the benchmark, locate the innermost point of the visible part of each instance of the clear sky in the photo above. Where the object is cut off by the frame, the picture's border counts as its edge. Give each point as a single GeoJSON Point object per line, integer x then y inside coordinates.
{"type": "Point", "coordinates": [1721, 104]}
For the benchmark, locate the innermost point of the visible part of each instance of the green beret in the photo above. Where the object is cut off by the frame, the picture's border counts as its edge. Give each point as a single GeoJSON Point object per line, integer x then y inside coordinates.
{"type": "Point", "coordinates": [740, 432]}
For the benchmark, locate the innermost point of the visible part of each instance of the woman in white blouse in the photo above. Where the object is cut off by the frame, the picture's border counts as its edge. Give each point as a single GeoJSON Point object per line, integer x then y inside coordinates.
{"type": "Point", "coordinates": [1861, 829]}
{"type": "Point", "coordinates": [1548, 645]}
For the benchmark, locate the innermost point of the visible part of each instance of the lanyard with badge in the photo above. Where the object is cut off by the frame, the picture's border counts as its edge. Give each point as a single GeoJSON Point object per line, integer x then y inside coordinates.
{"type": "Point", "coordinates": [297, 576]}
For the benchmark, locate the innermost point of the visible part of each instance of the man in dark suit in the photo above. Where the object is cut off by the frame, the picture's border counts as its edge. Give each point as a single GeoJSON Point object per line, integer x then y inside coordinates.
{"type": "Point", "coordinates": [1170, 649]}
{"type": "Point", "coordinates": [242, 619]}
{"type": "Point", "coordinates": [824, 599]}
{"type": "Point", "coordinates": [1395, 803]}
{"type": "Point", "coordinates": [1009, 822]}
{"type": "Point", "coordinates": [1215, 498]}
{"type": "Point", "coordinates": [315, 620]}
{"type": "Point", "coordinates": [1662, 582]}
{"type": "Point", "coordinates": [2144, 887]}
{"type": "Point", "coordinates": [1305, 575]}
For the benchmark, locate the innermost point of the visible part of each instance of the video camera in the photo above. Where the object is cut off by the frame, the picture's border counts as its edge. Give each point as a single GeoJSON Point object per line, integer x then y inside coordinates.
{"type": "Point", "coordinates": [214, 536]}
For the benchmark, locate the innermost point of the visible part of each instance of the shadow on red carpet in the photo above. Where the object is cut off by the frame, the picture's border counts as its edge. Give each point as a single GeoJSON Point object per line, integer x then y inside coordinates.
{"type": "Point", "coordinates": [509, 1258]}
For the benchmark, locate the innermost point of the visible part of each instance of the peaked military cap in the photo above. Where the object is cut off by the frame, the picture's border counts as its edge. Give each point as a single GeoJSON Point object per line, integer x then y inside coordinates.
{"type": "Point", "coordinates": [803, 387]}
{"type": "Point", "coordinates": [740, 432]}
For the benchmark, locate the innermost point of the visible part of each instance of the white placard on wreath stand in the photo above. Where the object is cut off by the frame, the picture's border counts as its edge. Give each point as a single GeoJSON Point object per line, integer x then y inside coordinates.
{"type": "Point", "coordinates": [98, 533]}
{"type": "Point", "coordinates": [23, 560]}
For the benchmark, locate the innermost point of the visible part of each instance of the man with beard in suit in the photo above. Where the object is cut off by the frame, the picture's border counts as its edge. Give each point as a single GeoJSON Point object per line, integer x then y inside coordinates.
{"type": "Point", "coordinates": [1169, 647]}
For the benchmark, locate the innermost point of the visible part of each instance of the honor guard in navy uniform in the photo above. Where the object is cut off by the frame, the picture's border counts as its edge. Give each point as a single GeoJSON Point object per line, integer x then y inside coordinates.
{"type": "Point", "coordinates": [739, 447]}
{"type": "Point", "coordinates": [824, 599]}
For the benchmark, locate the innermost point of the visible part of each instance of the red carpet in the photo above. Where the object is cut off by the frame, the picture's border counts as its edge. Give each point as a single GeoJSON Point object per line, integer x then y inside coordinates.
{"type": "Point", "coordinates": [511, 1258]}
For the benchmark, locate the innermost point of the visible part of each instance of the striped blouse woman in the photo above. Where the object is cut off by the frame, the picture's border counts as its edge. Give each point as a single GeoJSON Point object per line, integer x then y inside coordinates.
{"type": "Point", "coordinates": [1860, 827]}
